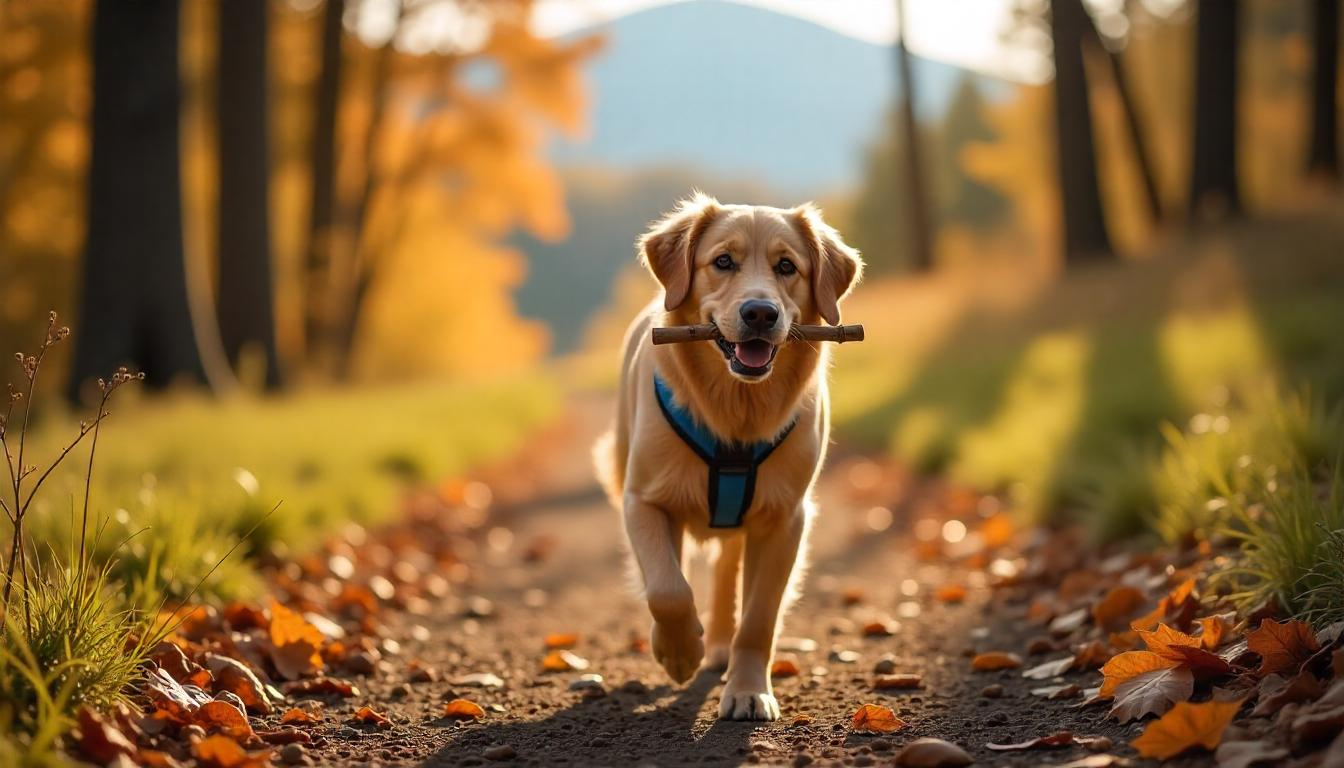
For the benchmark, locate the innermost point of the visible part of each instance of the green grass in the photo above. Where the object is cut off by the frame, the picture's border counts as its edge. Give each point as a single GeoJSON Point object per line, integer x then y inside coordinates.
{"type": "Point", "coordinates": [182, 480]}
{"type": "Point", "coordinates": [1052, 390]}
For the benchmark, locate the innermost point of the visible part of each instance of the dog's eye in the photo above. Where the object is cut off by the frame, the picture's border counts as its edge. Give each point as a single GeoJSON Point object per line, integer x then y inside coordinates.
{"type": "Point", "coordinates": [724, 262]}
{"type": "Point", "coordinates": [785, 267]}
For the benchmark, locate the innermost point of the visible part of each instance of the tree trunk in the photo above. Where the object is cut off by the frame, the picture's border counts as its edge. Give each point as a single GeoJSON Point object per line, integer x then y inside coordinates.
{"type": "Point", "coordinates": [1133, 123]}
{"type": "Point", "coordinates": [1323, 161]}
{"type": "Point", "coordinates": [246, 303]}
{"type": "Point", "coordinates": [322, 214]}
{"type": "Point", "coordinates": [1213, 174]}
{"type": "Point", "coordinates": [1085, 234]}
{"type": "Point", "coordinates": [917, 198]}
{"type": "Point", "coordinates": [134, 308]}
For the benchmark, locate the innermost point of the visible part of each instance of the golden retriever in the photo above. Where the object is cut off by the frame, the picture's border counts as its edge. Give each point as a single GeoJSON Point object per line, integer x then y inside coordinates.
{"type": "Point", "coordinates": [753, 271]}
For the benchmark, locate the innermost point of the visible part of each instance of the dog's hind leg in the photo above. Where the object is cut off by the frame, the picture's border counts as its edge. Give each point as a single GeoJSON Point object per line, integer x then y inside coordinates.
{"type": "Point", "coordinates": [723, 602]}
{"type": "Point", "coordinates": [771, 554]}
{"type": "Point", "coordinates": [676, 637]}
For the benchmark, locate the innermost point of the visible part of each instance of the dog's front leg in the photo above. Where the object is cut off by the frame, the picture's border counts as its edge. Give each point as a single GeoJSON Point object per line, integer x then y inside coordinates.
{"type": "Point", "coordinates": [770, 560]}
{"type": "Point", "coordinates": [676, 634]}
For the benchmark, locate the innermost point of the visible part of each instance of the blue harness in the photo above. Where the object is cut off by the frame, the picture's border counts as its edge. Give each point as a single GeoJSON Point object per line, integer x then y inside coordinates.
{"type": "Point", "coordinates": [732, 466]}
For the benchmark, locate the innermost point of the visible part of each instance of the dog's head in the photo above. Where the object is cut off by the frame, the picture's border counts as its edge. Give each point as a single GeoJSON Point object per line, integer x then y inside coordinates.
{"type": "Point", "coordinates": [753, 271]}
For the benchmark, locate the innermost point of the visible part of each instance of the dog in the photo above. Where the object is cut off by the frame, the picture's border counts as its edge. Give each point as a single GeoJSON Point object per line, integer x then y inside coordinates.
{"type": "Point", "coordinates": [724, 440]}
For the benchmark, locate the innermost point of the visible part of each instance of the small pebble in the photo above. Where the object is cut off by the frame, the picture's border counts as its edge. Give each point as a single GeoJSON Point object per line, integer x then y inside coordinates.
{"type": "Point", "coordinates": [294, 754]}
{"type": "Point", "coordinates": [634, 686]}
{"type": "Point", "coordinates": [802, 759]}
{"type": "Point", "coordinates": [994, 691]}
{"type": "Point", "coordinates": [1040, 644]}
{"type": "Point", "coordinates": [843, 656]}
{"type": "Point", "coordinates": [361, 663]}
{"type": "Point", "coordinates": [885, 665]}
{"type": "Point", "coordinates": [501, 752]}
{"type": "Point", "coordinates": [1101, 744]}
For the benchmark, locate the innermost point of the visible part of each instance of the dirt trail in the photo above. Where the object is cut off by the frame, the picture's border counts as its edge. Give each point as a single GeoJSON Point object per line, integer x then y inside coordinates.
{"type": "Point", "coordinates": [582, 585]}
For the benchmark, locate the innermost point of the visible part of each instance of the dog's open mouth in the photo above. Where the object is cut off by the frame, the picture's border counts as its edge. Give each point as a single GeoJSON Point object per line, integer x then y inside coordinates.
{"type": "Point", "coordinates": [748, 358]}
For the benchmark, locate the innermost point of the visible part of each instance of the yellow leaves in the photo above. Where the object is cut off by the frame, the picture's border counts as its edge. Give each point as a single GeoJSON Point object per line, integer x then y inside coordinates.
{"type": "Point", "coordinates": [1282, 646]}
{"type": "Point", "coordinates": [1186, 726]}
{"type": "Point", "coordinates": [563, 661]}
{"type": "Point", "coordinates": [876, 718]}
{"type": "Point", "coordinates": [994, 660]}
{"type": "Point", "coordinates": [463, 709]}
{"type": "Point", "coordinates": [297, 643]}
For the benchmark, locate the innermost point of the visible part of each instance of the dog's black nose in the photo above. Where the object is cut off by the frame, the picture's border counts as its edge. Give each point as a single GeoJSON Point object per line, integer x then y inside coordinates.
{"type": "Point", "coordinates": [759, 316]}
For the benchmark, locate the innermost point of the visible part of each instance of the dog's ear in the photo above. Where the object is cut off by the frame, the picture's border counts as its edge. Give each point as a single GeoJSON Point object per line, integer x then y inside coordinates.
{"type": "Point", "coordinates": [668, 248]}
{"type": "Point", "coordinates": [836, 267]}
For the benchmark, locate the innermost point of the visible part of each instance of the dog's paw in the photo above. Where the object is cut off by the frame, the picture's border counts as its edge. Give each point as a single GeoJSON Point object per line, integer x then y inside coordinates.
{"type": "Point", "coordinates": [748, 706]}
{"type": "Point", "coordinates": [717, 656]}
{"type": "Point", "coordinates": [678, 647]}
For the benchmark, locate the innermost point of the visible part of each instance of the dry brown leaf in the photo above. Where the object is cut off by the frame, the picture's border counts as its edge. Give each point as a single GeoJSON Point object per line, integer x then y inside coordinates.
{"type": "Point", "coordinates": [992, 660]}
{"type": "Point", "coordinates": [1060, 739]}
{"type": "Point", "coordinates": [220, 751]}
{"type": "Point", "coordinates": [950, 593]}
{"type": "Point", "coordinates": [296, 716]}
{"type": "Point", "coordinates": [561, 640]}
{"type": "Point", "coordinates": [1092, 655]}
{"type": "Point", "coordinates": [563, 661]}
{"type": "Point", "coordinates": [322, 686]}
{"type": "Point", "coordinates": [99, 740]}
{"type": "Point", "coordinates": [784, 668]}
{"type": "Point", "coordinates": [1282, 646]}
{"type": "Point", "coordinates": [225, 718]}
{"type": "Point", "coordinates": [1244, 754]}
{"type": "Point", "coordinates": [1303, 687]}
{"type": "Point", "coordinates": [463, 709]}
{"type": "Point", "coordinates": [897, 682]}
{"type": "Point", "coordinates": [1152, 693]}
{"type": "Point", "coordinates": [296, 643]}
{"type": "Point", "coordinates": [932, 753]}
{"type": "Point", "coordinates": [367, 714]}
{"type": "Point", "coordinates": [1186, 726]}
{"type": "Point", "coordinates": [876, 719]}
{"type": "Point", "coordinates": [1115, 609]}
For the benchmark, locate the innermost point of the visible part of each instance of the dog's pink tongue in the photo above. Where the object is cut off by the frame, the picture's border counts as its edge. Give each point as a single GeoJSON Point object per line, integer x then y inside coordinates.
{"type": "Point", "coordinates": [752, 354]}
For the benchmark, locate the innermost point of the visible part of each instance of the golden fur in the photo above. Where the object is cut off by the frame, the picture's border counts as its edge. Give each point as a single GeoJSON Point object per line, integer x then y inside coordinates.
{"type": "Point", "coordinates": [660, 484]}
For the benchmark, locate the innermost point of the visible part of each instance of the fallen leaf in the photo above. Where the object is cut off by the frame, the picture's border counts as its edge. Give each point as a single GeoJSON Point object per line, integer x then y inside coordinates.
{"type": "Point", "coordinates": [1128, 665]}
{"type": "Point", "coordinates": [566, 640]}
{"type": "Point", "coordinates": [932, 753]}
{"type": "Point", "coordinates": [235, 677]}
{"type": "Point", "coordinates": [950, 593]}
{"type": "Point", "coordinates": [1049, 669]}
{"type": "Point", "coordinates": [1200, 660]}
{"type": "Point", "coordinates": [1152, 693]}
{"type": "Point", "coordinates": [1282, 646]}
{"type": "Point", "coordinates": [224, 718]}
{"type": "Point", "coordinates": [801, 720]}
{"type": "Point", "coordinates": [880, 628]}
{"type": "Point", "coordinates": [563, 661]}
{"type": "Point", "coordinates": [1214, 629]}
{"type": "Point", "coordinates": [322, 686]}
{"type": "Point", "coordinates": [897, 682]}
{"type": "Point", "coordinates": [1164, 639]}
{"type": "Point", "coordinates": [877, 719]}
{"type": "Point", "coordinates": [220, 751]}
{"type": "Point", "coordinates": [480, 680]}
{"type": "Point", "coordinates": [1303, 687]}
{"type": "Point", "coordinates": [99, 740]}
{"type": "Point", "coordinates": [170, 697]}
{"type": "Point", "coordinates": [296, 716]}
{"type": "Point", "coordinates": [1113, 611]}
{"type": "Point", "coordinates": [285, 735]}
{"type": "Point", "coordinates": [784, 668]}
{"type": "Point", "coordinates": [1096, 761]}
{"type": "Point", "coordinates": [296, 643]}
{"type": "Point", "coordinates": [367, 714]}
{"type": "Point", "coordinates": [1244, 754]}
{"type": "Point", "coordinates": [1067, 623]}
{"type": "Point", "coordinates": [1186, 726]}
{"type": "Point", "coordinates": [992, 660]}
{"type": "Point", "coordinates": [463, 709]}
{"type": "Point", "coordinates": [1060, 739]}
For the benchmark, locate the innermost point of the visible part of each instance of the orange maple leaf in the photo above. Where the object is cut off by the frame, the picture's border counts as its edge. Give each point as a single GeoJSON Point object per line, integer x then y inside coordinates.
{"type": "Point", "coordinates": [1282, 646]}
{"type": "Point", "coordinates": [1127, 665]}
{"type": "Point", "coordinates": [1186, 726]}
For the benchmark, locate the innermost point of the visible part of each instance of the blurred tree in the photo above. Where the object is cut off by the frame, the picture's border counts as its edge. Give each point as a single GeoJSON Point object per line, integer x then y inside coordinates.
{"type": "Point", "coordinates": [322, 210]}
{"type": "Point", "coordinates": [246, 302]}
{"type": "Point", "coordinates": [965, 201]}
{"type": "Point", "coordinates": [875, 227]}
{"type": "Point", "coordinates": [134, 306]}
{"type": "Point", "coordinates": [1323, 160]}
{"type": "Point", "coordinates": [1085, 234]}
{"type": "Point", "coordinates": [917, 215]}
{"type": "Point", "coordinates": [1213, 173]}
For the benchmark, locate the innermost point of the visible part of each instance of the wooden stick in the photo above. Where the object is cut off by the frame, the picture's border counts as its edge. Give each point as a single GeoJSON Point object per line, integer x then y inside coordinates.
{"type": "Point", "coordinates": [680, 334]}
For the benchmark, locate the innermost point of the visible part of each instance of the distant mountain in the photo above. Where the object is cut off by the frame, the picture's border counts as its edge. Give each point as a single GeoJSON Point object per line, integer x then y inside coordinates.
{"type": "Point", "coordinates": [742, 92]}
